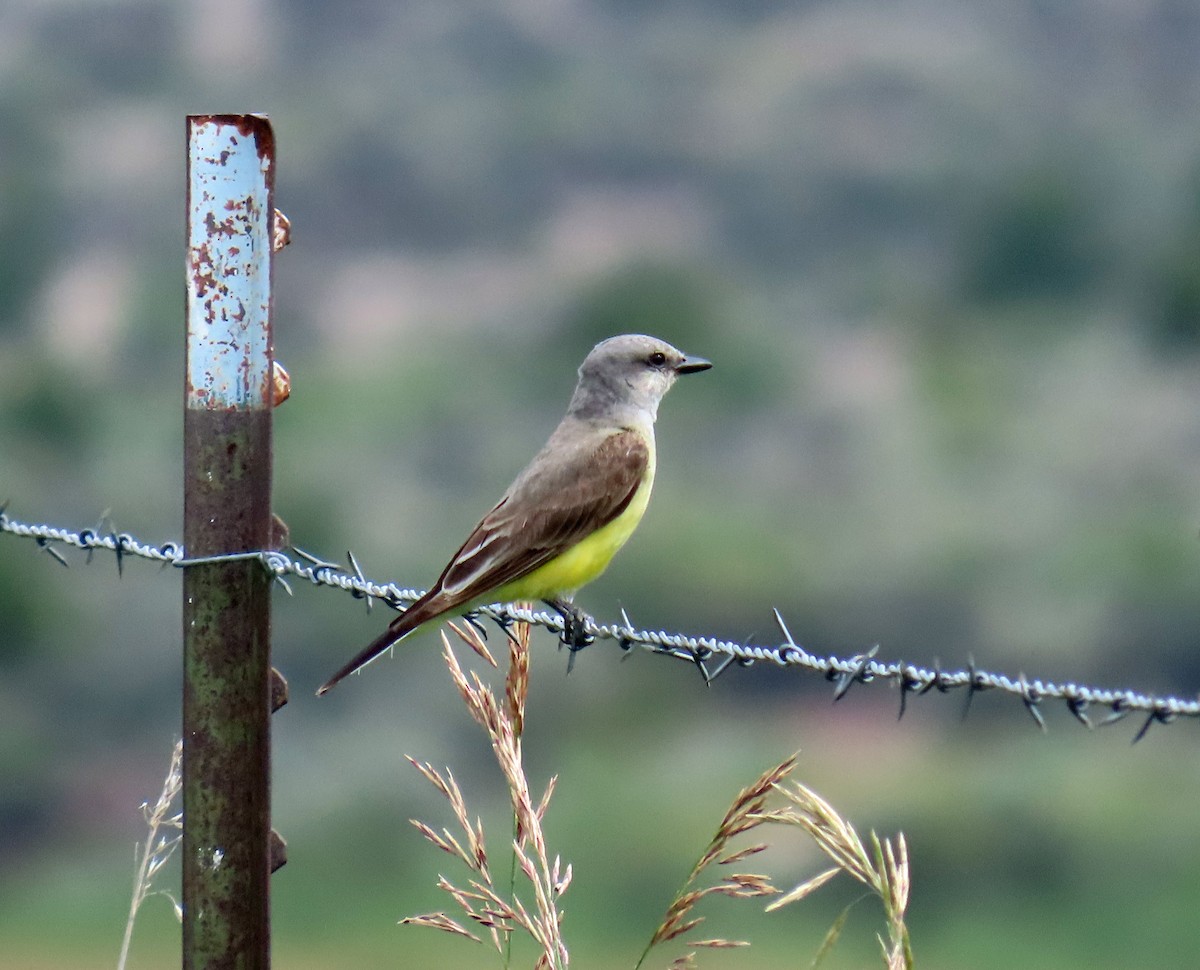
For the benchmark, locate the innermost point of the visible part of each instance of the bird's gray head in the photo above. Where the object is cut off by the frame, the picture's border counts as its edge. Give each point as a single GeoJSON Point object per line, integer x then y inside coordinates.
{"type": "Point", "coordinates": [625, 377]}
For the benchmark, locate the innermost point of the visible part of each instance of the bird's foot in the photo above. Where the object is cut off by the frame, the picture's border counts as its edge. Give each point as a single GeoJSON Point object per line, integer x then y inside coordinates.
{"type": "Point", "coordinates": [474, 620]}
{"type": "Point", "coordinates": [506, 624]}
{"type": "Point", "coordinates": [575, 622]}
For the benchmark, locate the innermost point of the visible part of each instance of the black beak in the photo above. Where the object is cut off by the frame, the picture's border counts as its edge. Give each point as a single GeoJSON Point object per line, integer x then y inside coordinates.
{"type": "Point", "coordinates": [692, 365]}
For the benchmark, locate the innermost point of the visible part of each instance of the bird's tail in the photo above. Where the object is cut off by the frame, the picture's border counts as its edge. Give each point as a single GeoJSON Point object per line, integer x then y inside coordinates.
{"type": "Point", "coordinates": [399, 628]}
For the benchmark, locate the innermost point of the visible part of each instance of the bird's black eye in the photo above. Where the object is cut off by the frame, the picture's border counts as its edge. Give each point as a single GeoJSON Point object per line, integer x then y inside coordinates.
{"type": "Point", "coordinates": [656, 359]}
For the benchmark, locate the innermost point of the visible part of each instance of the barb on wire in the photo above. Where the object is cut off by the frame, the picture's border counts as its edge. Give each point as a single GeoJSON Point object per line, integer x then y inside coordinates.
{"type": "Point", "coordinates": [862, 668]}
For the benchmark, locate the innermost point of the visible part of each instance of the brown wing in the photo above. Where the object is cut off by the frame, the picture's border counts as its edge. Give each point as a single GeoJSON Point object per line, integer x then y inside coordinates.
{"type": "Point", "coordinates": [552, 505]}
{"type": "Point", "coordinates": [549, 509]}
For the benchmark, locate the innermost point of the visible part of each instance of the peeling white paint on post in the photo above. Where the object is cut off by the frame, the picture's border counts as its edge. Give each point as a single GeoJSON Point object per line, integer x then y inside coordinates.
{"type": "Point", "coordinates": [231, 162]}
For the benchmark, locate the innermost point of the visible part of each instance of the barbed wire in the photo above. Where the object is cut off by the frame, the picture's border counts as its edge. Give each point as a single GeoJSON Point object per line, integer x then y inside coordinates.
{"type": "Point", "coordinates": [712, 656]}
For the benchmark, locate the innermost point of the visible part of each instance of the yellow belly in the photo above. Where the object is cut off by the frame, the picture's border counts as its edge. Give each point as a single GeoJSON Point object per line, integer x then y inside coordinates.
{"type": "Point", "coordinates": [585, 560]}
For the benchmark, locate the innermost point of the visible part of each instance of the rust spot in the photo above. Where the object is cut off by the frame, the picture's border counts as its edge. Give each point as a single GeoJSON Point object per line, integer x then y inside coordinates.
{"type": "Point", "coordinates": [202, 269]}
{"type": "Point", "coordinates": [226, 227]}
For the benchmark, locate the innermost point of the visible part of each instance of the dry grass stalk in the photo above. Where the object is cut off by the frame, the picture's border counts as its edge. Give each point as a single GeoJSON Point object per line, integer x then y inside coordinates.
{"type": "Point", "coordinates": [500, 913]}
{"type": "Point", "coordinates": [885, 870]}
{"type": "Point", "coordinates": [516, 683]}
{"type": "Point", "coordinates": [158, 848]}
{"type": "Point", "coordinates": [746, 813]}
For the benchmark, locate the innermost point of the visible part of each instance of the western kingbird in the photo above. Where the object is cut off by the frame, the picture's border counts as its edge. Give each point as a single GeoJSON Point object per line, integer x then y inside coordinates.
{"type": "Point", "coordinates": [574, 505]}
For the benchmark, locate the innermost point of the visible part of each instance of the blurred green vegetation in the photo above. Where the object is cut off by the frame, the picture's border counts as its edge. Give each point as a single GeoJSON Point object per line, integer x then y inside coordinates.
{"type": "Point", "coordinates": [945, 259]}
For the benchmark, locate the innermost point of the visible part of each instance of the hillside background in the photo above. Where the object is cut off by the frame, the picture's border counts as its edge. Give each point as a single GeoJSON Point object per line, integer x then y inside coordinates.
{"type": "Point", "coordinates": [946, 259]}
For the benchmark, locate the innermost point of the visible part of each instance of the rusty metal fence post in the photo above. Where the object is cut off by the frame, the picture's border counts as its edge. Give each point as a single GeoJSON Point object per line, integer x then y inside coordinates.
{"type": "Point", "coordinates": [227, 508]}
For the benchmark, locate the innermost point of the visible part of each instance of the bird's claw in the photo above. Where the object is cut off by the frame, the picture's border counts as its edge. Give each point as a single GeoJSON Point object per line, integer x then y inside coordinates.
{"type": "Point", "coordinates": [575, 635]}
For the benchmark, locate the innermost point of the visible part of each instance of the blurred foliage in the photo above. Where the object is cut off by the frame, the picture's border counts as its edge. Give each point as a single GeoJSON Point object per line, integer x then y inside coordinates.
{"type": "Point", "coordinates": [1174, 284]}
{"type": "Point", "coordinates": [29, 205]}
{"type": "Point", "coordinates": [1033, 241]}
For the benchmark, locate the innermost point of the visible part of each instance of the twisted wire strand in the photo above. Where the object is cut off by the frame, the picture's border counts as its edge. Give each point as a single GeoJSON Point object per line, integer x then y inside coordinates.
{"type": "Point", "coordinates": [711, 655]}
